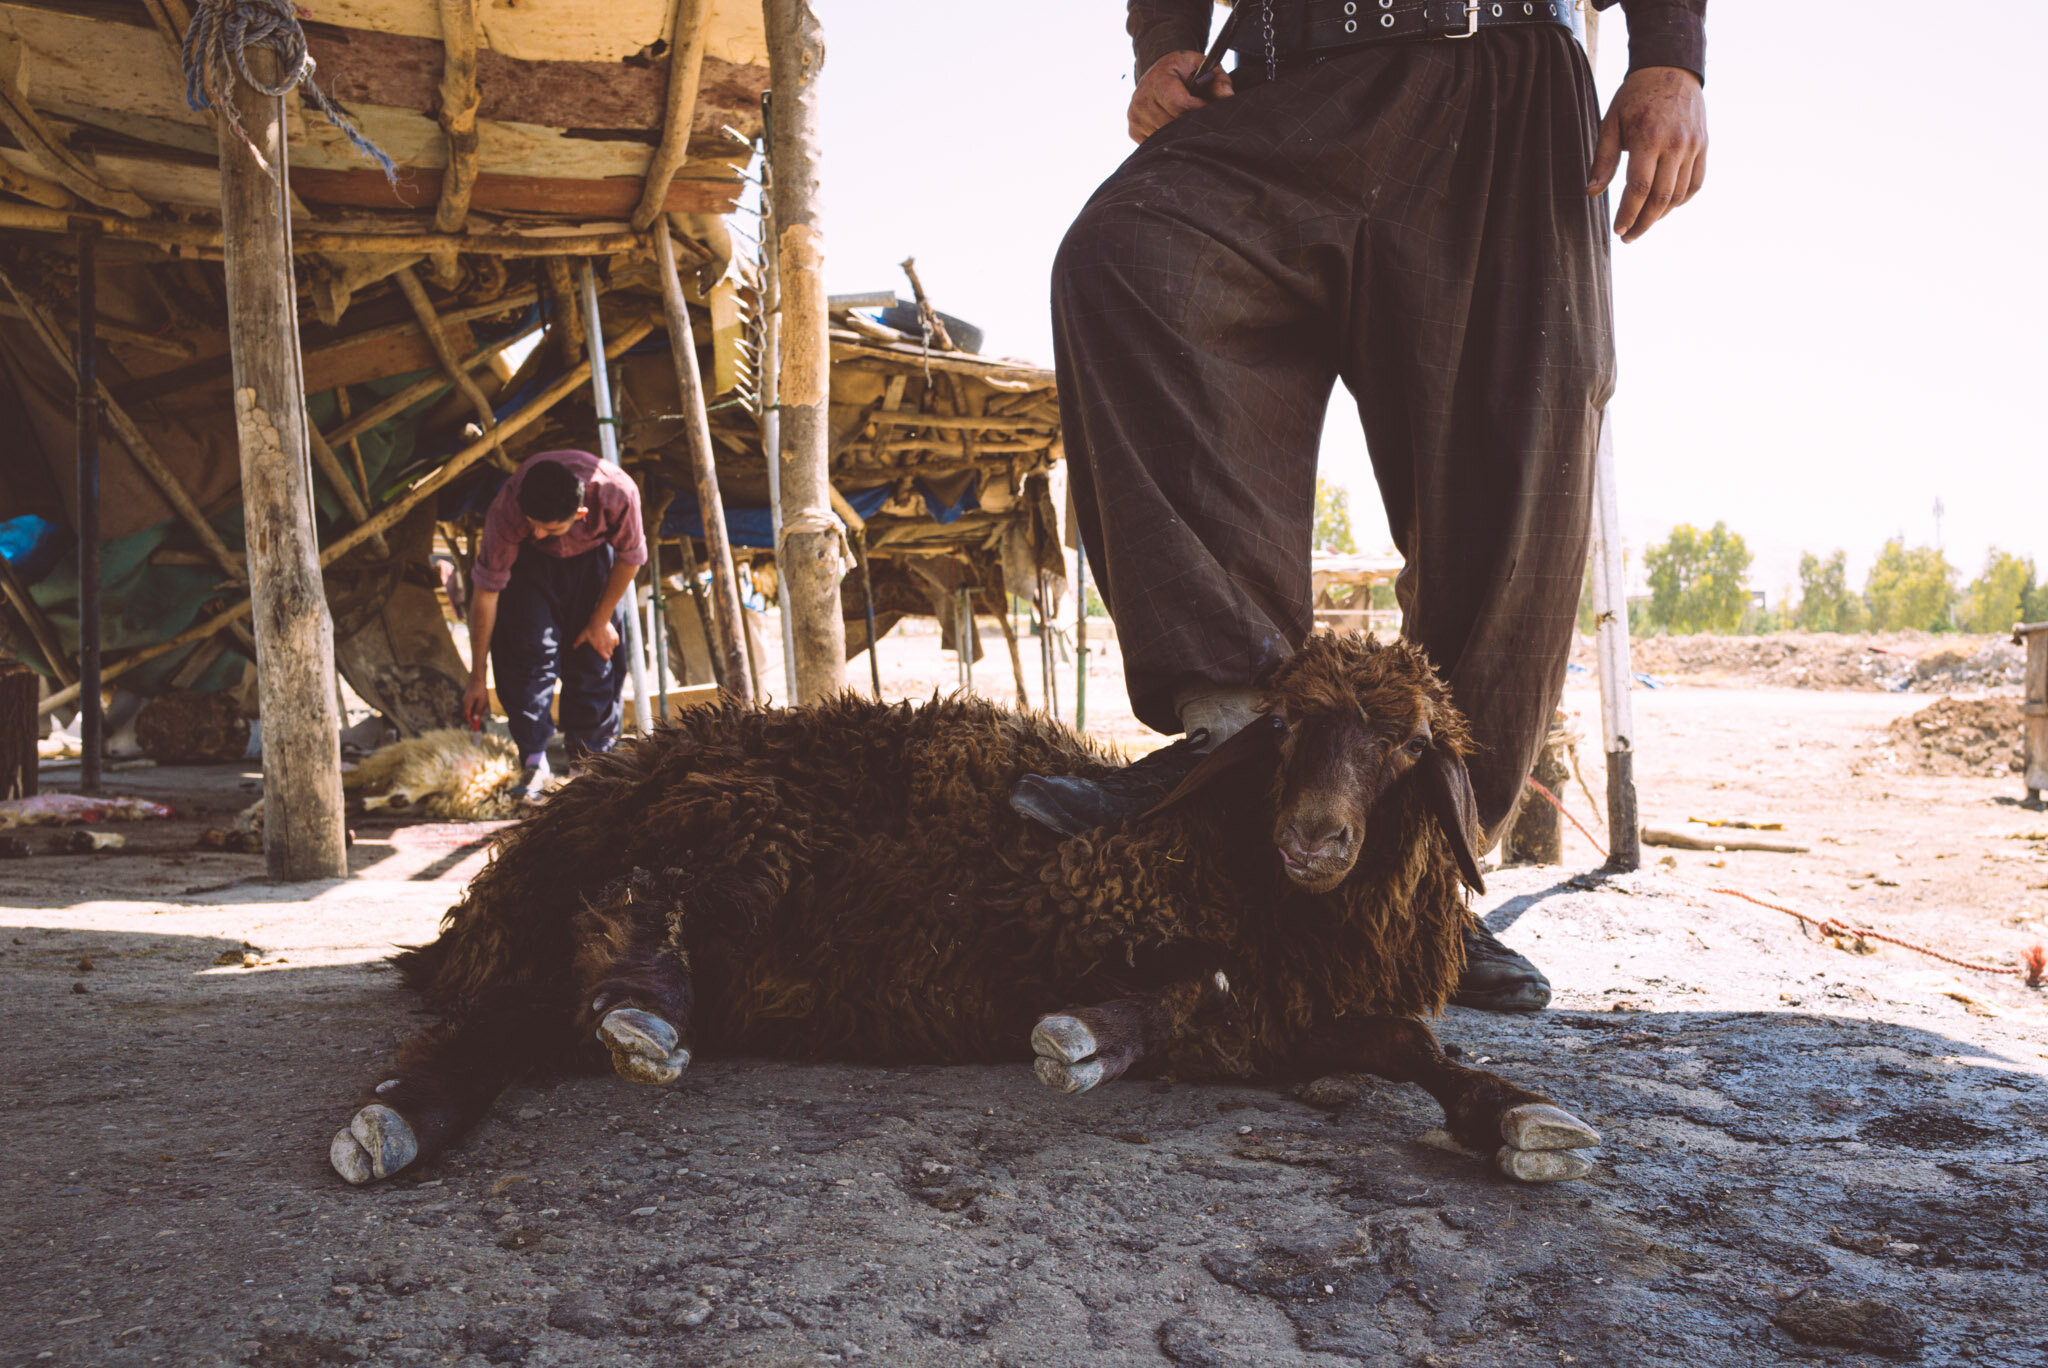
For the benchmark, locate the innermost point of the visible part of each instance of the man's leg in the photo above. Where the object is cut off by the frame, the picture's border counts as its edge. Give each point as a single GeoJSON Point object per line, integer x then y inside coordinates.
{"type": "Point", "coordinates": [591, 684]}
{"type": "Point", "coordinates": [525, 649]}
{"type": "Point", "coordinates": [1481, 375]}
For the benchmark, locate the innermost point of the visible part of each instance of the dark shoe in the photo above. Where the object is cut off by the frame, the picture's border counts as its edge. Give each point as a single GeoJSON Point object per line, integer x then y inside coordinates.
{"type": "Point", "coordinates": [1497, 979]}
{"type": "Point", "coordinates": [1071, 805]}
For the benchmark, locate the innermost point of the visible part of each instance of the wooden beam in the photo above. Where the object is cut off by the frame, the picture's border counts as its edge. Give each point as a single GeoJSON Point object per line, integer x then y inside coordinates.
{"type": "Point", "coordinates": [145, 455]}
{"type": "Point", "coordinates": [419, 389]}
{"type": "Point", "coordinates": [201, 239]}
{"type": "Point", "coordinates": [811, 537]}
{"type": "Point", "coordinates": [726, 623]}
{"type": "Point", "coordinates": [303, 834]}
{"type": "Point", "coordinates": [337, 480]}
{"type": "Point", "coordinates": [451, 364]}
{"type": "Point", "coordinates": [504, 192]}
{"type": "Point", "coordinates": [85, 377]}
{"type": "Point", "coordinates": [685, 66]}
{"type": "Point", "coordinates": [57, 159]}
{"type": "Point", "coordinates": [457, 112]}
{"type": "Point", "coordinates": [38, 623]}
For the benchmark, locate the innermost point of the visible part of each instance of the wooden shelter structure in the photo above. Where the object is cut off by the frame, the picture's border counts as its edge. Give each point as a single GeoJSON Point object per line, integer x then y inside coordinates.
{"type": "Point", "coordinates": [294, 359]}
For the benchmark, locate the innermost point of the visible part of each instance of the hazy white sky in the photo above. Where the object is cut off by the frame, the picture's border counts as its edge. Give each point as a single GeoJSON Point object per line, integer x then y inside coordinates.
{"type": "Point", "coordinates": [1844, 326]}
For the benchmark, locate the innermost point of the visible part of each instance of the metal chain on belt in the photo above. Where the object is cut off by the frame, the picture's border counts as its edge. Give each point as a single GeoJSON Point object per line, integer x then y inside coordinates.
{"type": "Point", "coordinates": [1272, 52]}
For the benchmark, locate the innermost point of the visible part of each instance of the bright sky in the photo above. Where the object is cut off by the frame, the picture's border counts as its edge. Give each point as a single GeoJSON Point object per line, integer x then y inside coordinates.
{"type": "Point", "coordinates": [1841, 329]}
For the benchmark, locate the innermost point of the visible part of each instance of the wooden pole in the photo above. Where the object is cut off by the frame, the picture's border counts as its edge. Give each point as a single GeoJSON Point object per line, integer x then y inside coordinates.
{"type": "Point", "coordinates": [771, 393]}
{"type": "Point", "coordinates": [867, 594]}
{"type": "Point", "coordinates": [1009, 627]}
{"type": "Point", "coordinates": [1610, 618]}
{"type": "Point", "coordinates": [303, 835]}
{"type": "Point", "coordinates": [725, 585]}
{"type": "Point", "coordinates": [85, 371]}
{"type": "Point", "coordinates": [1080, 639]}
{"type": "Point", "coordinates": [608, 443]}
{"type": "Point", "coordinates": [685, 67]}
{"type": "Point", "coordinates": [40, 629]}
{"type": "Point", "coordinates": [811, 536]}
{"type": "Point", "coordinates": [457, 115]}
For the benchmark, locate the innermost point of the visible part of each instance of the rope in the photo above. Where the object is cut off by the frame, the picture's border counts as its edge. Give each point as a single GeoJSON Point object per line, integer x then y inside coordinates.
{"type": "Point", "coordinates": [216, 47]}
{"type": "Point", "coordinates": [2033, 962]}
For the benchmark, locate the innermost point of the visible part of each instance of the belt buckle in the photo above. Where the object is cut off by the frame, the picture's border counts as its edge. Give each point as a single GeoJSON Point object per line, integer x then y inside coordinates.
{"type": "Point", "coordinates": [1471, 21]}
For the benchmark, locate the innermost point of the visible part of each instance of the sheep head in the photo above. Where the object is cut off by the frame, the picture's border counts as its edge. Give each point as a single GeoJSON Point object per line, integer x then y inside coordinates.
{"type": "Point", "coordinates": [1350, 721]}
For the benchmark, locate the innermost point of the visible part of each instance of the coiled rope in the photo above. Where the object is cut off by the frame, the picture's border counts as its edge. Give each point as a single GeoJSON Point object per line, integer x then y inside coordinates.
{"type": "Point", "coordinates": [216, 47]}
{"type": "Point", "coordinates": [2033, 965]}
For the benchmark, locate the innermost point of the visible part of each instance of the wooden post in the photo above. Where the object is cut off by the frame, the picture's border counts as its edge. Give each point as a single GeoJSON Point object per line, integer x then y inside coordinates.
{"type": "Point", "coordinates": [303, 835]}
{"type": "Point", "coordinates": [91, 725]}
{"type": "Point", "coordinates": [1009, 627]}
{"type": "Point", "coordinates": [771, 393]}
{"type": "Point", "coordinates": [726, 625]}
{"type": "Point", "coordinates": [1080, 638]}
{"type": "Point", "coordinates": [1610, 618]}
{"type": "Point", "coordinates": [2034, 709]}
{"type": "Point", "coordinates": [811, 536]}
{"type": "Point", "coordinates": [19, 775]}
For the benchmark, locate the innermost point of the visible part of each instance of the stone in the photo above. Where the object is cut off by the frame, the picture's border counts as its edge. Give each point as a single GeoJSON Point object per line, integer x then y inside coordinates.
{"type": "Point", "coordinates": [1864, 1324]}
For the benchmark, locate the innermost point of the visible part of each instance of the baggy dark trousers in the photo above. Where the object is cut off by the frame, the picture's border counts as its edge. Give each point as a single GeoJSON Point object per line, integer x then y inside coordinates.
{"type": "Point", "coordinates": [1412, 218]}
{"type": "Point", "coordinates": [546, 606]}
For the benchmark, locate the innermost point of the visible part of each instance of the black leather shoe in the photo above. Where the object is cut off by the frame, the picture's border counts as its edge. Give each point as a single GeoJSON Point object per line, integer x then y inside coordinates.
{"type": "Point", "coordinates": [1071, 805]}
{"type": "Point", "coordinates": [1497, 979]}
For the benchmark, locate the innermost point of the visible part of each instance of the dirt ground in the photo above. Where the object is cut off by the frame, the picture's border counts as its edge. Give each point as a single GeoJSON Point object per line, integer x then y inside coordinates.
{"type": "Point", "coordinates": [1810, 1154]}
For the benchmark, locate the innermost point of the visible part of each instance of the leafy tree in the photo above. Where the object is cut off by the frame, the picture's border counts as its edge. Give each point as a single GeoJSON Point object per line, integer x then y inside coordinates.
{"type": "Point", "coordinates": [1333, 518]}
{"type": "Point", "coordinates": [2000, 596]}
{"type": "Point", "coordinates": [1825, 601]}
{"type": "Point", "coordinates": [1697, 579]}
{"type": "Point", "coordinates": [1910, 588]}
{"type": "Point", "coordinates": [2036, 606]}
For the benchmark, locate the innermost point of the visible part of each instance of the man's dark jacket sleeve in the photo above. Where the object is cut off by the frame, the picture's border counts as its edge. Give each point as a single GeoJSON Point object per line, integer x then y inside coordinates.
{"type": "Point", "coordinates": [1660, 32]}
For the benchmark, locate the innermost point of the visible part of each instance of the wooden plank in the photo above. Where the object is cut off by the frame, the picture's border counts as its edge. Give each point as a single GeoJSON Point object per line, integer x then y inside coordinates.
{"type": "Point", "coordinates": [200, 239]}
{"type": "Point", "coordinates": [589, 31]}
{"type": "Point", "coordinates": [303, 835]}
{"type": "Point", "coordinates": [610, 198]}
{"type": "Point", "coordinates": [457, 111]}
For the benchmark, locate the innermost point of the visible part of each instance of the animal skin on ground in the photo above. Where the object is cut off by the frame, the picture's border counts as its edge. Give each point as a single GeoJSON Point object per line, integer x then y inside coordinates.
{"type": "Point", "coordinates": [848, 881]}
{"type": "Point", "coordinates": [448, 774]}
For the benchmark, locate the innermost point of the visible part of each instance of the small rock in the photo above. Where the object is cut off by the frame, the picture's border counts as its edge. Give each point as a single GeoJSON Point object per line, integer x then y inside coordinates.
{"type": "Point", "coordinates": [1337, 1090]}
{"type": "Point", "coordinates": [690, 1313]}
{"type": "Point", "coordinates": [1873, 1325]}
{"type": "Point", "coordinates": [582, 1312]}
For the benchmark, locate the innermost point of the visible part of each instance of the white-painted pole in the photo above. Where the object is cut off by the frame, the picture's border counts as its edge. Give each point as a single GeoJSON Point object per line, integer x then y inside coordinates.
{"type": "Point", "coordinates": [1610, 619]}
{"type": "Point", "coordinates": [608, 446]}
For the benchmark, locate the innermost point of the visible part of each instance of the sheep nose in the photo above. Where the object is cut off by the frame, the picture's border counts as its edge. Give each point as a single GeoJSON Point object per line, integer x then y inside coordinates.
{"type": "Point", "coordinates": [1299, 850]}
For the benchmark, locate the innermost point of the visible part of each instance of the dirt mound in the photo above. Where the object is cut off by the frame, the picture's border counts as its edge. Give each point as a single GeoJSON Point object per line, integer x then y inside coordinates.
{"type": "Point", "coordinates": [1895, 662]}
{"type": "Point", "coordinates": [1960, 736]}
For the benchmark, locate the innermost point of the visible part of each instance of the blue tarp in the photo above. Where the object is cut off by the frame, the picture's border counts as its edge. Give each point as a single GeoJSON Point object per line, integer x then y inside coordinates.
{"type": "Point", "coordinates": [32, 546]}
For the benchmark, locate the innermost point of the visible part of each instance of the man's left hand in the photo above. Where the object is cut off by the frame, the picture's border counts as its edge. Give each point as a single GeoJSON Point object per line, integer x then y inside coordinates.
{"type": "Point", "coordinates": [1658, 117]}
{"type": "Point", "coordinates": [599, 636]}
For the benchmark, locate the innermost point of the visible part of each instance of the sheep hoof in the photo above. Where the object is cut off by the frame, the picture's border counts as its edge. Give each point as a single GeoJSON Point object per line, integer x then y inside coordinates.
{"type": "Point", "coordinates": [1542, 1166]}
{"type": "Point", "coordinates": [643, 1046]}
{"type": "Point", "coordinates": [376, 1143]}
{"type": "Point", "coordinates": [1540, 1126]}
{"type": "Point", "coordinates": [1068, 1078]}
{"type": "Point", "coordinates": [1063, 1038]}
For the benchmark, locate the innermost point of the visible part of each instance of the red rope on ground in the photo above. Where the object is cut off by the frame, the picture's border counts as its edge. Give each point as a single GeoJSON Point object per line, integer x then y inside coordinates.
{"type": "Point", "coordinates": [2033, 962]}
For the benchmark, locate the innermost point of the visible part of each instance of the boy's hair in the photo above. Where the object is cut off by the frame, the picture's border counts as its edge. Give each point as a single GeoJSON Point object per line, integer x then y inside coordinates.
{"type": "Point", "coordinates": [550, 492]}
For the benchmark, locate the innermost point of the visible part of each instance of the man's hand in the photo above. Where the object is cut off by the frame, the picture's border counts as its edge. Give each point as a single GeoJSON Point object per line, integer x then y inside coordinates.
{"type": "Point", "coordinates": [1163, 94]}
{"type": "Point", "coordinates": [600, 636]}
{"type": "Point", "coordinates": [475, 701]}
{"type": "Point", "coordinates": [1659, 117]}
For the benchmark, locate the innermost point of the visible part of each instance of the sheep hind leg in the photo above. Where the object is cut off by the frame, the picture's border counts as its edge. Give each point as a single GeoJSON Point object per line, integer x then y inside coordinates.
{"type": "Point", "coordinates": [447, 1078]}
{"type": "Point", "coordinates": [637, 986]}
{"type": "Point", "coordinates": [1085, 1047]}
{"type": "Point", "coordinates": [1530, 1138]}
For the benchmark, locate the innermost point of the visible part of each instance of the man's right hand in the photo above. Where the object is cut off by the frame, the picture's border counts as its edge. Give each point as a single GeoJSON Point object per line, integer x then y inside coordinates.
{"type": "Point", "coordinates": [1163, 94]}
{"type": "Point", "coordinates": [475, 701]}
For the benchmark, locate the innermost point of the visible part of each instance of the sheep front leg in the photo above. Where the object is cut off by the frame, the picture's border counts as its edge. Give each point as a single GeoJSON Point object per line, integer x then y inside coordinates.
{"type": "Point", "coordinates": [635, 981]}
{"type": "Point", "coordinates": [1531, 1138]}
{"type": "Point", "coordinates": [1085, 1047]}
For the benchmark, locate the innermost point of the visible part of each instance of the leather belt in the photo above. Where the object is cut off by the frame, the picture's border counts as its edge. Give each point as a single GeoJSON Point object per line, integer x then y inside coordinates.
{"type": "Point", "coordinates": [1315, 29]}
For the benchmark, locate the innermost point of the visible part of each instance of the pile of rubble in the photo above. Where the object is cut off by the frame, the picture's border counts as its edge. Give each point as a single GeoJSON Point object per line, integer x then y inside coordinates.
{"type": "Point", "coordinates": [1959, 736]}
{"type": "Point", "coordinates": [1895, 662]}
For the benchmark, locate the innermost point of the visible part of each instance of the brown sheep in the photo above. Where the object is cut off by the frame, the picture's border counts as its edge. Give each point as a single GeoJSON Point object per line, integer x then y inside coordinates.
{"type": "Point", "coordinates": [848, 881]}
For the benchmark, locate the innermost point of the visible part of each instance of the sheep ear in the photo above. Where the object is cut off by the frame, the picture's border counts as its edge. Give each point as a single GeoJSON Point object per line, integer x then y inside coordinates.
{"type": "Point", "coordinates": [1447, 792]}
{"type": "Point", "coordinates": [1259, 742]}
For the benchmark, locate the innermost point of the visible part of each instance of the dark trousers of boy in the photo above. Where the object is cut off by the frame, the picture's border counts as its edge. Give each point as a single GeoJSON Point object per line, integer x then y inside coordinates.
{"type": "Point", "coordinates": [1412, 219]}
{"type": "Point", "coordinates": [545, 606]}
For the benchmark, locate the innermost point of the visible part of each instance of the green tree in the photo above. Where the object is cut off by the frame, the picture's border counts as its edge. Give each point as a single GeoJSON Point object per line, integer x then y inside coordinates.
{"type": "Point", "coordinates": [1826, 603]}
{"type": "Point", "coordinates": [1697, 579]}
{"type": "Point", "coordinates": [1910, 588]}
{"type": "Point", "coordinates": [1333, 518]}
{"type": "Point", "coordinates": [2001, 595]}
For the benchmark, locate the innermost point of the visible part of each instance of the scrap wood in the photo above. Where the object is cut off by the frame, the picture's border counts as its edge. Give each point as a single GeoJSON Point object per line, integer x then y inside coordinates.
{"type": "Point", "coordinates": [1678, 839]}
{"type": "Point", "coordinates": [1740, 823]}
{"type": "Point", "coordinates": [63, 809]}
